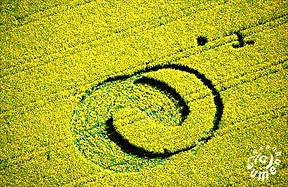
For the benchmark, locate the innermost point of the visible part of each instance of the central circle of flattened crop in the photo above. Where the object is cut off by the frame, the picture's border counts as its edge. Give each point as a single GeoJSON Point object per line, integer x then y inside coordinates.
{"type": "Point", "coordinates": [139, 121]}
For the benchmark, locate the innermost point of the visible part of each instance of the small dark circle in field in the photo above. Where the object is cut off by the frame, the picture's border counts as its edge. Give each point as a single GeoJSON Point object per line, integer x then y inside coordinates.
{"type": "Point", "coordinates": [201, 40]}
{"type": "Point", "coordinates": [117, 31]}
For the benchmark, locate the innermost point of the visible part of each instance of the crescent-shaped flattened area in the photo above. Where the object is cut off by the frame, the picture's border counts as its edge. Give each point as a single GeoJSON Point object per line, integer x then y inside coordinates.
{"type": "Point", "coordinates": [143, 118]}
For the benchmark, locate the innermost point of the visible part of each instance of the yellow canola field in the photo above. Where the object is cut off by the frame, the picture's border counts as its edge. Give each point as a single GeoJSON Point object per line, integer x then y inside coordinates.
{"type": "Point", "coordinates": [142, 93]}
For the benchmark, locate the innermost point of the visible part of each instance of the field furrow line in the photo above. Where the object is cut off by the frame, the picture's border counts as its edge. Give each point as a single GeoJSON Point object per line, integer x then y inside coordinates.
{"type": "Point", "coordinates": [149, 24]}
{"type": "Point", "coordinates": [50, 58]}
{"type": "Point", "coordinates": [91, 83]}
{"type": "Point", "coordinates": [264, 116]}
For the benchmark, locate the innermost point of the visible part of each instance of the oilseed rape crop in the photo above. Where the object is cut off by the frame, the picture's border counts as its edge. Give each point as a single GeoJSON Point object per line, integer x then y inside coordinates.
{"type": "Point", "coordinates": [143, 93]}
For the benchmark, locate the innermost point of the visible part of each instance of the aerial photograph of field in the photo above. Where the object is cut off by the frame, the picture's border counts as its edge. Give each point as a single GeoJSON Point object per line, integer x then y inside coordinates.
{"type": "Point", "coordinates": [178, 93]}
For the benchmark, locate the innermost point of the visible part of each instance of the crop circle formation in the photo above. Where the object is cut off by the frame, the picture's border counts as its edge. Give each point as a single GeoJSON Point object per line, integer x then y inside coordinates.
{"type": "Point", "coordinates": [138, 121]}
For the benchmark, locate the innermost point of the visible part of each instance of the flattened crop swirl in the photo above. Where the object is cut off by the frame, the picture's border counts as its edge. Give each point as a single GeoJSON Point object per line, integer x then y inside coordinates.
{"type": "Point", "coordinates": [107, 121]}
